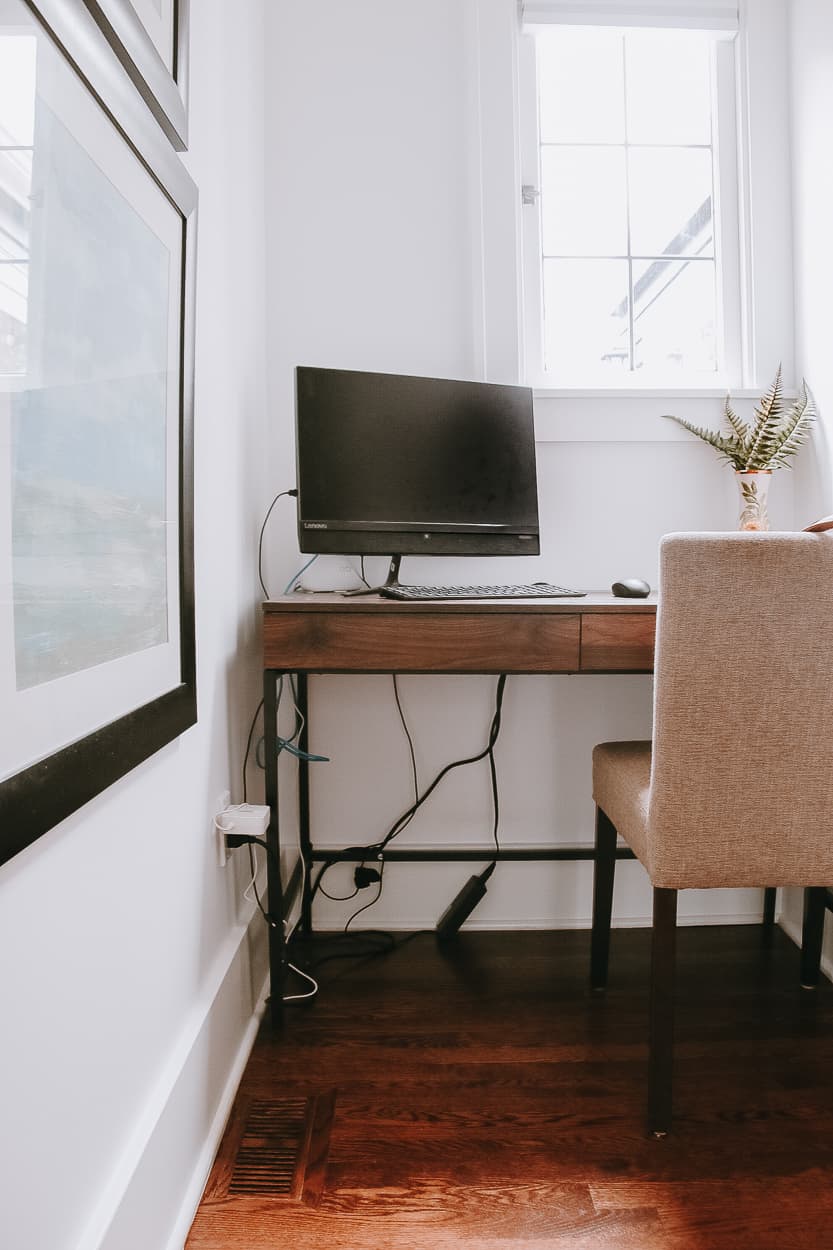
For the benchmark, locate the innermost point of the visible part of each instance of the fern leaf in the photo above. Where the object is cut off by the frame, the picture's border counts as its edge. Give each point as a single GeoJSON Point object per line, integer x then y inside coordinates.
{"type": "Point", "coordinates": [768, 442]}
{"type": "Point", "coordinates": [729, 447]}
{"type": "Point", "coordinates": [740, 428]}
{"type": "Point", "coordinates": [765, 436]}
{"type": "Point", "coordinates": [796, 428]}
{"type": "Point", "coordinates": [772, 403]}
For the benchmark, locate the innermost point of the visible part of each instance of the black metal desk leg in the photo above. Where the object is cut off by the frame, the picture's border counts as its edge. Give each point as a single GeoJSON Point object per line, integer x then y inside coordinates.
{"type": "Point", "coordinates": [277, 946]}
{"type": "Point", "coordinates": [304, 840]}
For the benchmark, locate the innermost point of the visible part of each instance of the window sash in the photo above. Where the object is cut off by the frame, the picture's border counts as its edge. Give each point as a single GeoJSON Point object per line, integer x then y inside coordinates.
{"type": "Point", "coordinates": [725, 207]}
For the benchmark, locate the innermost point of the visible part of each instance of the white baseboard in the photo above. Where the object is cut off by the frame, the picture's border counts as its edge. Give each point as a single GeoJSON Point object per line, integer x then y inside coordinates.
{"type": "Point", "coordinates": [212, 1025]}
{"type": "Point", "coordinates": [193, 1193]}
{"type": "Point", "coordinates": [550, 924]}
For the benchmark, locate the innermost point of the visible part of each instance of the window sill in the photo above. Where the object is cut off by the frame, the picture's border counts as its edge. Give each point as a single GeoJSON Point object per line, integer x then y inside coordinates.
{"type": "Point", "coordinates": [654, 392]}
{"type": "Point", "coordinates": [630, 417]}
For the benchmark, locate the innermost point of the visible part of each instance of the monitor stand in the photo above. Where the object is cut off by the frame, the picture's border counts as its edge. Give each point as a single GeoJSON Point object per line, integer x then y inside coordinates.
{"type": "Point", "coordinates": [392, 579]}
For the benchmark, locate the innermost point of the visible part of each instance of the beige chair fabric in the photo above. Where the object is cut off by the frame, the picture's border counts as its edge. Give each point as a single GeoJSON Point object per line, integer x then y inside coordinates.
{"type": "Point", "coordinates": [738, 789]}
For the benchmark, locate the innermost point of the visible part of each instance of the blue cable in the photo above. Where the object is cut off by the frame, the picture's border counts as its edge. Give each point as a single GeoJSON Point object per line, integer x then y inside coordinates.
{"type": "Point", "coordinates": [288, 588]}
{"type": "Point", "coordinates": [286, 744]}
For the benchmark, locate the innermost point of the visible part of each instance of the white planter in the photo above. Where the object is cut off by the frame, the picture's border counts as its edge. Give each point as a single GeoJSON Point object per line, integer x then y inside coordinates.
{"type": "Point", "coordinates": [754, 488]}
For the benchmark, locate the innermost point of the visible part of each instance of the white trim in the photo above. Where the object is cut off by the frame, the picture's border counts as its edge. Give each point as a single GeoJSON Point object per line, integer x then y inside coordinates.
{"type": "Point", "coordinates": [748, 331]}
{"type": "Point", "coordinates": [495, 132]}
{"type": "Point", "coordinates": [531, 262]}
{"type": "Point", "coordinates": [728, 236]}
{"type": "Point", "coordinates": [631, 417]}
{"type": "Point", "coordinates": [717, 16]}
{"type": "Point", "coordinates": [656, 392]}
{"type": "Point", "coordinates": [116, 1185]}
{"type": "Point", "coordinates": [202, 1168]}
{"type": "Point", "coordinates": [557, 924]}
{"type": "Point", "coordinates": [475, 153]}
{"type": "Point", "coordinates": [765, 199]}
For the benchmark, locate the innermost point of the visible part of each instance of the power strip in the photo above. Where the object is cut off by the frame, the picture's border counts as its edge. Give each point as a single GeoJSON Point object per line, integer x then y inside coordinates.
{"type": "Point", "coordinates": [240, 821]}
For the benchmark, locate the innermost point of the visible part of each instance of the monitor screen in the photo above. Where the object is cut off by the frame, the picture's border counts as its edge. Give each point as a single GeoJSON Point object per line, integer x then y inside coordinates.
{"type": "Point", "coordinates": [392, 465]}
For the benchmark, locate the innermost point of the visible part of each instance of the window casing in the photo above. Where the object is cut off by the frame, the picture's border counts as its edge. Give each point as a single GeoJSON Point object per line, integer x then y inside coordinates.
{"type": "Point", "coordinates": [631, 258]}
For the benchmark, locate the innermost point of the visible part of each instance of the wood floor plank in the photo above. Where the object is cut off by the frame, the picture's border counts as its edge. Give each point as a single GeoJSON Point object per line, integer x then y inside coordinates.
{"type": "Point", "coordinates": [771, 1213]}
{"type": "Point", "coordinates": [479, 1098]}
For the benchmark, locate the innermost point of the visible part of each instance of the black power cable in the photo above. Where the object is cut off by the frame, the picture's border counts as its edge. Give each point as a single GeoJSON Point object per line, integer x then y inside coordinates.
{"type": "Point", "coordinates": [487, 751]}
{"type": "Point", "coordinates": [280, 495]}
{"type": "Point", "coordinates": [375, 851]}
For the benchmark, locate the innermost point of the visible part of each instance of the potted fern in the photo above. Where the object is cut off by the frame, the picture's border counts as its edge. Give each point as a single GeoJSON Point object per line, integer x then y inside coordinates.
{"type": "Point", "coordinates": [757, 447]}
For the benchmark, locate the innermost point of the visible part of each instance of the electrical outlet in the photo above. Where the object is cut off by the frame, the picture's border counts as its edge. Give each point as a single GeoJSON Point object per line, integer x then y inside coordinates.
{"type": "Point", "coordinates": [220, 804]}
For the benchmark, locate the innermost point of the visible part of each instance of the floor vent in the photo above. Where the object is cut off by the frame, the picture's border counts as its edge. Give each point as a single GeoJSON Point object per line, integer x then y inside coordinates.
{"type": "Point", "coordinates": [270, 1156]}
{"type": "Point", "coordinates": [274, 1148]}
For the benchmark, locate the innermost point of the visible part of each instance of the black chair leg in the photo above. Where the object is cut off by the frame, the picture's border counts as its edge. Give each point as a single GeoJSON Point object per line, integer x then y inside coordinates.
{"type": "Point", "coordinates": [663, 959]}
{"type": "Point", "coordinates": [603, 873]}
{"type": "Point", "coordinates": [768, 918]}
{"type": "Point", "coordinates": [815, 901]}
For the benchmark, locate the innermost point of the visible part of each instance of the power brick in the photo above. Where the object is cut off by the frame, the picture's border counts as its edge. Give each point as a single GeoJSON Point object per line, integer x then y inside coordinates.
{"type": "Point", "coordinates": [243, 820]}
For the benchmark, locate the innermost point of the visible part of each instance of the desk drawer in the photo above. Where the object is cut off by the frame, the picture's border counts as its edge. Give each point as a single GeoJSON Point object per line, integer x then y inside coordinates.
{"type": "Point", "coordinates": [617, 642]}
{"type": "Point", "coordinates": [381, 642]}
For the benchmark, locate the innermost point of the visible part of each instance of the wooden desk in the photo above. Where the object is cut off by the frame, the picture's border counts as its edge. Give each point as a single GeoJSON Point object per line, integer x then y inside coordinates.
{"type": "Point", "coordinates": [326, 633]}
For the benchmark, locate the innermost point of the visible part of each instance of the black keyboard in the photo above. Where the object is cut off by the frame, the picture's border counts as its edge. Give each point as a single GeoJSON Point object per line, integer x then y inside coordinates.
{"type": "Point", "coordinates": [538, 590]}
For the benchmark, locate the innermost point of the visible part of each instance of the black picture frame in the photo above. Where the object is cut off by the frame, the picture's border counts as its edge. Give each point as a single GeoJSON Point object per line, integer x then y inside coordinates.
{"type": "Point", "coordinates": [163, 88]}
{"type": "Point", "coordinates": [39, 796]}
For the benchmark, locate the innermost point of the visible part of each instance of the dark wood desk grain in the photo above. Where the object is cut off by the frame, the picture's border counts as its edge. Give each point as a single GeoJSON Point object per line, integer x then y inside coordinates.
{"type": "Point", "coordinates": [326, 633]}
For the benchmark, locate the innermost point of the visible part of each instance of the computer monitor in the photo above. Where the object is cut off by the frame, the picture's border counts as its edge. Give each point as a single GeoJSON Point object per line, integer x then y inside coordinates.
{"type": "Point", "coordinates": [394, 465]}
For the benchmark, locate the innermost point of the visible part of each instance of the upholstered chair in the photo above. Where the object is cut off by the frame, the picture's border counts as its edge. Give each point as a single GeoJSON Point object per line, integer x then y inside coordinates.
{"type": "Point", "coordinates": [736, 787]}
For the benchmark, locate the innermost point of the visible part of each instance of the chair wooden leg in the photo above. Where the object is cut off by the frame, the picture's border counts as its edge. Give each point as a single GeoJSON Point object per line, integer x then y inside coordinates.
{"type": "Point", "coordinates": [603, 873]}
{"type": "Point", "coordinates": [815, 901]}
{"type": "Point", "coordinates": [663, 953]}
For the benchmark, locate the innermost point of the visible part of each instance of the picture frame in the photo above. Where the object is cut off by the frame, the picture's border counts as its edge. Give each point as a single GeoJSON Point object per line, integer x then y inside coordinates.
{"type": "Point", "coordinates": [97, 642]}
{"type": "Point", "coordinates": [153, 48]}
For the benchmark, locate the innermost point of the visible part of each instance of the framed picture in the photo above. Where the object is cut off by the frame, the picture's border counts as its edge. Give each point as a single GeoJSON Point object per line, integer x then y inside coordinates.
{"type": "Point", "coordinates": [150, 38]}
{"type": "Point", "coordinates": [97, 226]}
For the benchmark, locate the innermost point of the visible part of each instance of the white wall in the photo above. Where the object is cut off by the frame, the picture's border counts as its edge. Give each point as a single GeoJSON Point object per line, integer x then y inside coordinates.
{"type": "Point", "coordinates": [128, 982]}
{"type": "Point", "coordinates": [811, 80]}
{"type": "Point", "coordinates": [380, 137]}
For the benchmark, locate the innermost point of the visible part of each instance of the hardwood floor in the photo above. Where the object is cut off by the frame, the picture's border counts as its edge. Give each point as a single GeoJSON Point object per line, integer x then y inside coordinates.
{"type": "Point", "coordinates": [479, 1097]}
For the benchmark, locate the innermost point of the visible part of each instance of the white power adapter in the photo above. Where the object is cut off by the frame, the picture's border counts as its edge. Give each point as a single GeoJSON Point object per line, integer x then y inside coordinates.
{"type": "Point", "coordinates": [243, 820]}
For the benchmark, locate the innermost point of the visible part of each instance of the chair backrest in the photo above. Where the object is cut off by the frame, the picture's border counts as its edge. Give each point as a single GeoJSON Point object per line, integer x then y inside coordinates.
{"type": "Point", "coordinates": [742, 766]}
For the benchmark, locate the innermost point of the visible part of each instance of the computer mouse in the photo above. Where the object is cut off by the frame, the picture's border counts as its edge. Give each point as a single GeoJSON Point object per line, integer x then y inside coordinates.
{"type": "Point", "coordinates": [631, 588]}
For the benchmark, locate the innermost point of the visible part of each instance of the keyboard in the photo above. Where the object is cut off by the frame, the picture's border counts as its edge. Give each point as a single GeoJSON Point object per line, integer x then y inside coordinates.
{"type": "Point", "coordinates": [538, 590]}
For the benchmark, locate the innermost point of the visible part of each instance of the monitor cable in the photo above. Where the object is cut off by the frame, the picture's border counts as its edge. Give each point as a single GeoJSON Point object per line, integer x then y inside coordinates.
{"type": "Point", "coordinates": [294, 493]}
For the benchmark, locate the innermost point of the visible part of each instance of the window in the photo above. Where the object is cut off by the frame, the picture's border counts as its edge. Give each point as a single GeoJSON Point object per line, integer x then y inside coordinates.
{"type": "Point", "coordinates": [17, 110]}
{"type": "Point", "coordinates": [630, 213]}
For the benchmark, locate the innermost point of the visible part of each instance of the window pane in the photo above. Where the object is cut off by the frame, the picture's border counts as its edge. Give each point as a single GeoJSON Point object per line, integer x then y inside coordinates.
{"type": "Point", "coordinates": [17, 90]}
{"type": "Point", "coordinates": [15, 192]}
{"type": "Point", "coordinates": [586, 304]}
{"type": "Point", "coordinates": [583, 201]}
{"type": "Point", "coordinates": [14, 292]}
{"type": "Point", "coordinates": [581, 87]}
{"type": "Point", "coordinates": [671, 204]}
{"type": "Point", "coordinates": [668, 87]}
{"type": "Point", "coordinates": [675, 316]}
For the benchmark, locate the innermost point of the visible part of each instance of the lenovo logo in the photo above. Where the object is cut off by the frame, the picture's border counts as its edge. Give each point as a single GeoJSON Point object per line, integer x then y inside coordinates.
{"type": "Point", "coordinates": [315, 525]}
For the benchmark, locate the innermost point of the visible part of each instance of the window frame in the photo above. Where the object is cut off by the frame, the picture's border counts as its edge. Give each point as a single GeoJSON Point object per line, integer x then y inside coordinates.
{"type": "Point", "coordinates": [732, 323]}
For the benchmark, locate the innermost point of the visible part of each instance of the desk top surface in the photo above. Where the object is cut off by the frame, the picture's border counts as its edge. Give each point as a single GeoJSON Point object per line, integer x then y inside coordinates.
{"type": "Point", "coordinates": [329, 601]}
